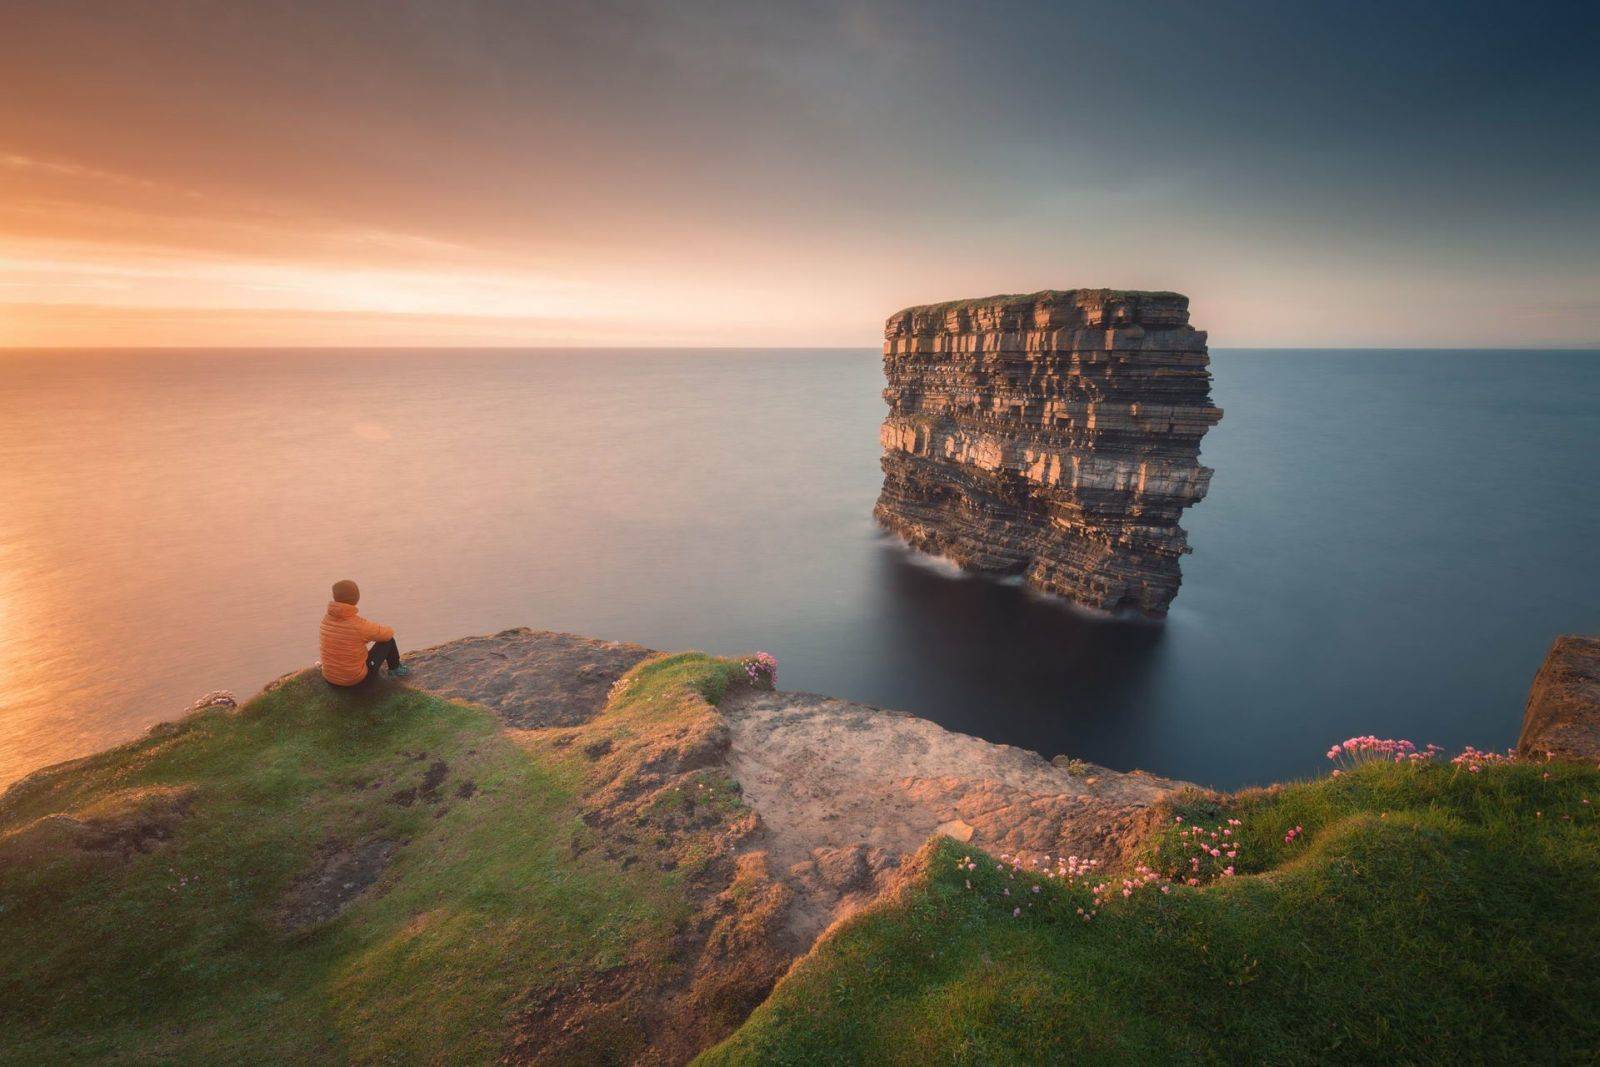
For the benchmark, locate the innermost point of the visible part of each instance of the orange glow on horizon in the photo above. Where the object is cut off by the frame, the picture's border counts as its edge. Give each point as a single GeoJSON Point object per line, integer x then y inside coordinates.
{"type": "Point", "coordinates": [569, 174]}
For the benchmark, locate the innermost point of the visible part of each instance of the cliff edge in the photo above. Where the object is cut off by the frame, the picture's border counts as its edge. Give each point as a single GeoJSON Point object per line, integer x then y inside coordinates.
{"type": "Point", "coordinates": [553, 849]}
{"type": "Point", "coordinates": [1562, 719]}
{"type": "Point", "coordinates": [842, 793]}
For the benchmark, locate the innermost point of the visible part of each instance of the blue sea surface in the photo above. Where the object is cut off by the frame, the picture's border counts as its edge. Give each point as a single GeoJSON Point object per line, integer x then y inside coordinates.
{"type": "Point", "coordinates": [1390, 543]}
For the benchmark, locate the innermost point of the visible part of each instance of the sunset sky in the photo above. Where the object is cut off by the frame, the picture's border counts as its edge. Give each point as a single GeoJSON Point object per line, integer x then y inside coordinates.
{"type": "Point", "coordinates": [545, 173]}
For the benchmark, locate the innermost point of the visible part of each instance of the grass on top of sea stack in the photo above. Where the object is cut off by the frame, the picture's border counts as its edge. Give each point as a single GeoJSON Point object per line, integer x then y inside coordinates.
{"type": "Point", "coordinates": [1410, 913]}
{"type": "Point", "coordinates": [155, 904]}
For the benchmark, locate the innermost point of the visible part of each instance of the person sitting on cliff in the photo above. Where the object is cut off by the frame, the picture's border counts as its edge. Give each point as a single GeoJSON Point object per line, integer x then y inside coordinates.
{"type": "Point", "coordinates": [346, 660]}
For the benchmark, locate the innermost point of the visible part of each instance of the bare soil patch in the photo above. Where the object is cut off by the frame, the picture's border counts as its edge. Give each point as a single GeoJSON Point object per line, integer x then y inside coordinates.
{"type": "Point", "coordinates": [119, 826]}
{"type": "Point", "coordinates": [340, 873]}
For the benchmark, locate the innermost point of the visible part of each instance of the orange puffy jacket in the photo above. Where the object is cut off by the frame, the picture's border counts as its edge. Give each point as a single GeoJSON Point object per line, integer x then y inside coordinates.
{"type": "Point", "coordinates": [344, 643]}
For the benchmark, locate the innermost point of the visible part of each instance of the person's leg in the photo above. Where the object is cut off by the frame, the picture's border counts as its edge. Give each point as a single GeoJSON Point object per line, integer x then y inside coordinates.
{"type": "Point", "coordinates": [383, 652]}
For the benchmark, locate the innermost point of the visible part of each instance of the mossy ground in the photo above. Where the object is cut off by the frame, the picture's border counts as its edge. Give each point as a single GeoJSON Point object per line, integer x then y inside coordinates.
{"type": "Point", "coordinates": [178, 950]}
{"type": "Point", "coordinates": [1424, 915]}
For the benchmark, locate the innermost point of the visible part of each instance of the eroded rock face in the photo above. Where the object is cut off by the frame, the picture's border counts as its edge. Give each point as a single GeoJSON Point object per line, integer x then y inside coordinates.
{"type": "Point", "coordinates": [1054, 435]}
{"type": "Point", "coordinates": [1563, 713]}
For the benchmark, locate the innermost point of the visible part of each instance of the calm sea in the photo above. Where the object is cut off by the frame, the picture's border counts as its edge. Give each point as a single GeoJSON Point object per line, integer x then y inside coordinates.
{"type": "Point", "coordinates": [1391, 541]}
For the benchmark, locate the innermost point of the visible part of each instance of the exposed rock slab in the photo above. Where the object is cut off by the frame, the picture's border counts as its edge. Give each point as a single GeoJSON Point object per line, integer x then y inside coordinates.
{"type": "Point", "coordinates": [843, 792]}
{"type": "Point", "coordinates": [846, 791]}
{"type": "Point", "coordinates": [530, 678]}
{"type": "Point", "coordinates": [1563, 713]}
{"type": "Point", "coordinates": [1054, 435]}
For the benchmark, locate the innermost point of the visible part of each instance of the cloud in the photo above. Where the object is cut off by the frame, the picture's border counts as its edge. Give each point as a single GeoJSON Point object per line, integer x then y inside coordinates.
{"type": "Point", "coordinates": [786, 173]}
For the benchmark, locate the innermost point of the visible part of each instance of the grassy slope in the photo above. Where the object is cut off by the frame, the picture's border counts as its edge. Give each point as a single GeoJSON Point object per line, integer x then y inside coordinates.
{"type": "Point", "coordinates": [177, 954]}
{"type": "Point", "coordinates": [1427, 915]}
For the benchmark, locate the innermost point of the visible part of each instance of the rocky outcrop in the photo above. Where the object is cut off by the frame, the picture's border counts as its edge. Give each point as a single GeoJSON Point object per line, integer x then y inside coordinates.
{"type": "Point", "coordinates": [840, 793]}
{"type": "Point", "coordinates": [846, 792]}
{"type": "Point", "coordinates": [529, 678]}
{"type": "Point", "coordinates": [1562, 719]}
{"type": "Point", "coordinates": [1054, 435]}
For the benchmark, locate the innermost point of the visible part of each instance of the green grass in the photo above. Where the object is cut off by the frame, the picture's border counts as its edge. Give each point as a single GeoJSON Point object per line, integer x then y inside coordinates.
{"type": "Point", "coordinates": [178, 954]}
{"type": "Point", "coordinates": [1426, 915]}
{"type": "Point", "coordinates": [656, 683]}
{"type": "Point", "coordinates": [947, 306]}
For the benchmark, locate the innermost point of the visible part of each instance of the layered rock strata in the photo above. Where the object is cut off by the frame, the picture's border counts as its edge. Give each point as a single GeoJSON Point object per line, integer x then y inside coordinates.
{"type": "Point", "coordinates": [1054, 435]}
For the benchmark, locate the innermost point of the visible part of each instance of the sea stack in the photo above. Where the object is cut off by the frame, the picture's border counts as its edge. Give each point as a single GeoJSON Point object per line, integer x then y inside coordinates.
{"type": "Point", "coordinates": [1054, 435]}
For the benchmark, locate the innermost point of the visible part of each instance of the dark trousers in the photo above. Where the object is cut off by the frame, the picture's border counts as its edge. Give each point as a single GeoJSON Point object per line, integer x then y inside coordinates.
{"type": "Point", "coordinates": [382, 652]}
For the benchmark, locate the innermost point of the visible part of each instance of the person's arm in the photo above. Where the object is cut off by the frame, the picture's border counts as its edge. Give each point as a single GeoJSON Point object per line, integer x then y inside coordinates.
{"type": "Point", "coordinates": [373, 631]}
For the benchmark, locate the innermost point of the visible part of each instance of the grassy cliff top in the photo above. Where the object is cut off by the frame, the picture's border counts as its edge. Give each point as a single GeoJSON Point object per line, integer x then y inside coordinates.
{"type": "Point", "coordinates": [1395, 914]}
{"type": "Point", "coordinates": [382, 876]}
{"type": "Point", "coordinates": [1063, 296]}
{"type": "Point", "coordinates": [369, 876]}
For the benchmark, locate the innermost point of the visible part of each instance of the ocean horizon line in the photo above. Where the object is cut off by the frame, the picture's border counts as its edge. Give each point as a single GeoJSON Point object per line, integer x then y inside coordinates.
{"type": "Point", "coordinates": [13, 349]}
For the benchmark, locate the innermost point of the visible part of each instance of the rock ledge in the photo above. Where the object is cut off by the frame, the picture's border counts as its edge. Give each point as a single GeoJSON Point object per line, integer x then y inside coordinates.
{"type": "Point", "coordinates": [1563, 713]}
{"type": "Point", "coordinates": [843, 792]}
